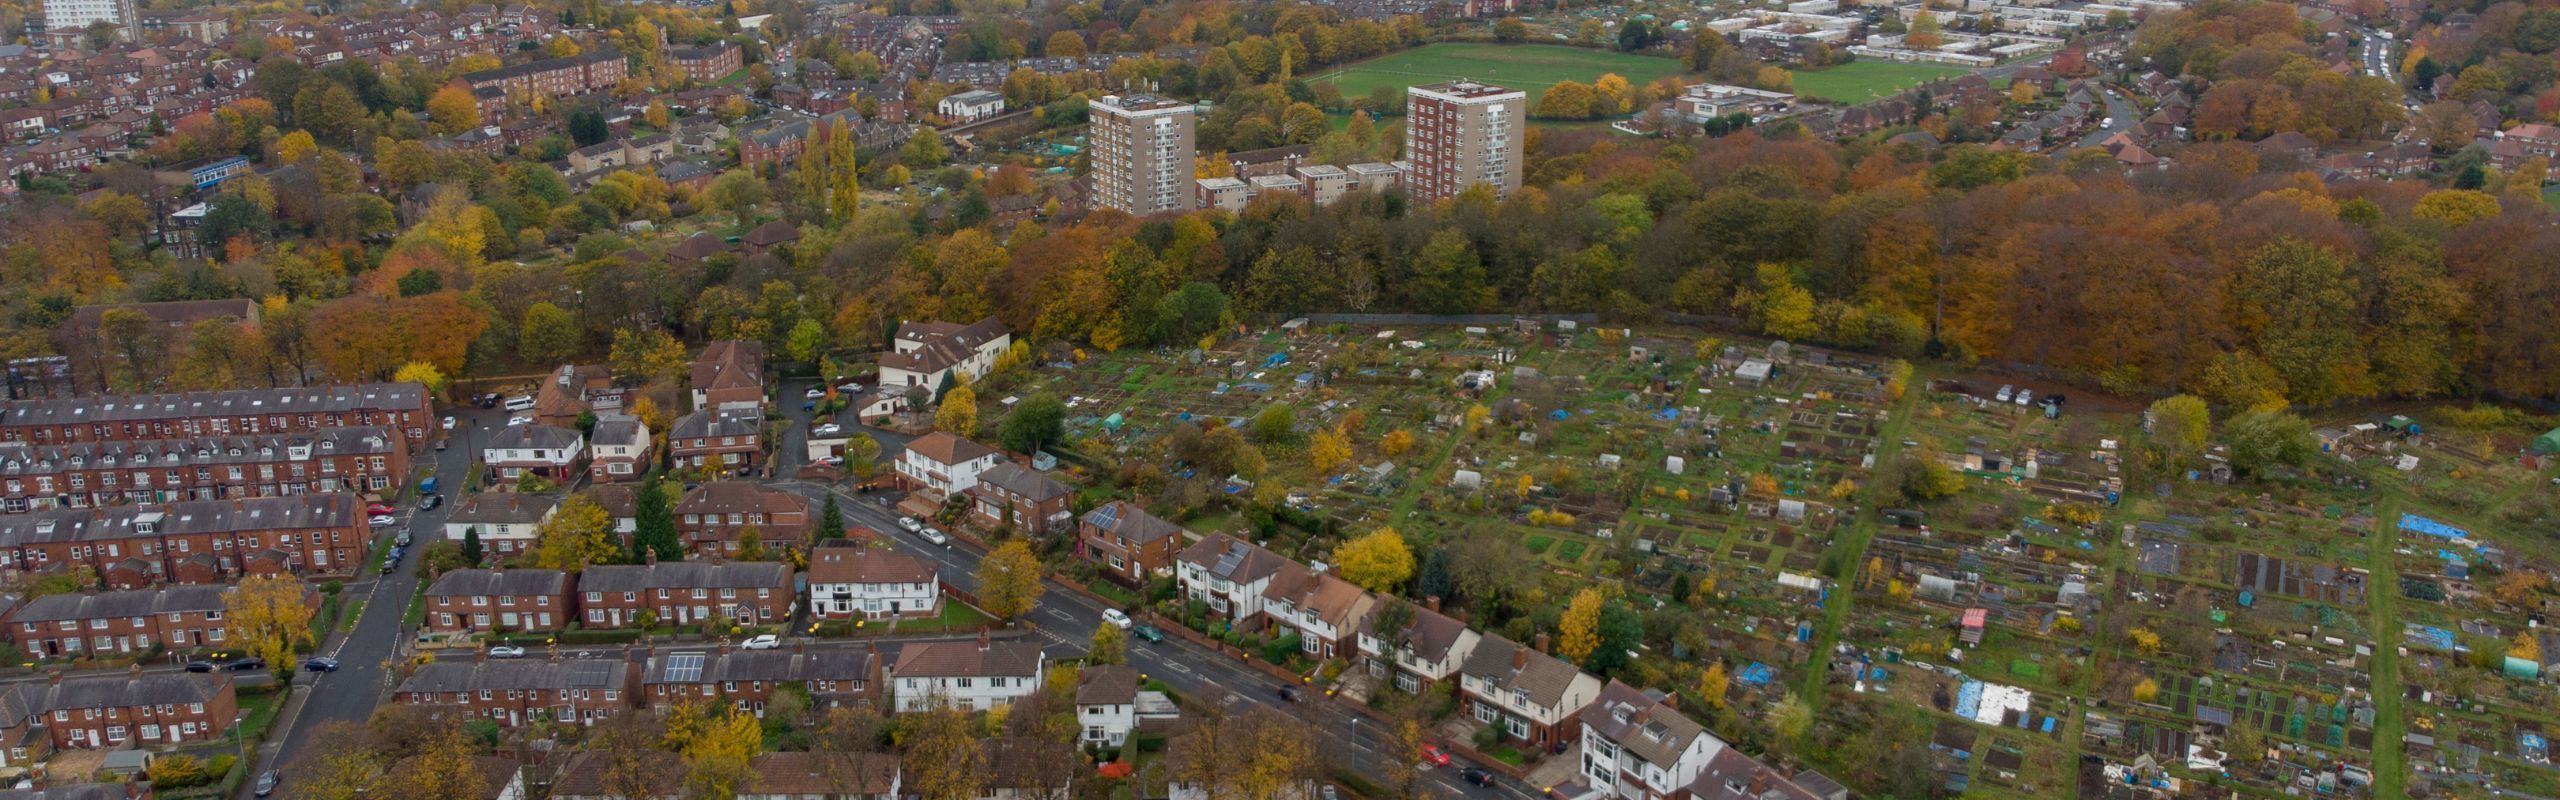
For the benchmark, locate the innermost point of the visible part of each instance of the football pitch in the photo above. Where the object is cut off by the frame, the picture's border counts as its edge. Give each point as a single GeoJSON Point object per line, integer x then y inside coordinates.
{"type": "Point", "coordinates": [1529, 67]}
{"type": "Point", "coordinates": [1861, 81]}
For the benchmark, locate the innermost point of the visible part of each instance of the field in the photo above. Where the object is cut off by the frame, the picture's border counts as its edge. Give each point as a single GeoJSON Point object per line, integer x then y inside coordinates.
{"type": "Point", "coordinates": [1530, 67]}
{"type": "Point", "coordinates": [1860, 81]}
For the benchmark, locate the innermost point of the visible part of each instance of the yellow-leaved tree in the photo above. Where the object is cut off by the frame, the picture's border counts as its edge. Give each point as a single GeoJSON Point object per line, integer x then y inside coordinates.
{"type": "Point", "coordinates": [421, 373]}
{"type": "Point", "coordinates": [1713, 684]}
{"type": "Point", "coordinates": [268, 615]}
{"type": "Point", "coordinates": [578, 535]}
{"type": "Point", "coordinates": [1396, 442]}
{"type": "Point", "coordinates": [1378, 561]}
{"type": "Point", "coordinates": [1327, 450]}
{"type": "Point", "coordinates": [717, 745]}
{"type": "Point", "coordinates": [958, 414]}
{"type": "Point", "coordinates": [452, 110]}
{"type": "Point", "coordinates": [1009, 580]}
{"type": "Point", "coordinates": [1581, 625]}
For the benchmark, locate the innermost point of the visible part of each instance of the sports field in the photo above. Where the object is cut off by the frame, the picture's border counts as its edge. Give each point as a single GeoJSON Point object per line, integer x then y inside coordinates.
{"type": "Point", "coordinates": [1532, 67]}
{"type": "Point", "coordinates": [1861, 81]}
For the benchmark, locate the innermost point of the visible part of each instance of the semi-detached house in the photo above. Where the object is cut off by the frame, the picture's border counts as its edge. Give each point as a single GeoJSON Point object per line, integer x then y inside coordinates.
{"type": "Point", "coordinates": [1525, 693]}
{"type": "Point", "coordinates": [1429, 649]}
{"type": "Point", "coordinates": [1228, 574]}
{"type": "Point", "coordinates": [481, 600]}
{"type": "Point", "coordinates": [970, 676]}
{"type": "Point", "coordinates": [943, 465]}
{"type": "Point", "coordinates": [871, 583]}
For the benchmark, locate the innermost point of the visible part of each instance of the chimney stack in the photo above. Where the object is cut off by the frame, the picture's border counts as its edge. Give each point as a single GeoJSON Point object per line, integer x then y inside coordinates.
{"type": "Point", "coordinates": [135, 671]}
{"type": "Point", "coordinates": [1432, 602]}
{"type": "Point", "coordinates": [1519, 658]}
{"type": "Point", "coordinates": [53, 677]}
{"type": "Point", "coordinates": [984, 641]}
{"type": "Point", "coordinates": [479, 656]}
{"type": "Point", "coordinates": [1539, 642]}
{"type": "Point", "coordinates": [722, 649]}
{"type": "Point", "coordinates": [649, 556]}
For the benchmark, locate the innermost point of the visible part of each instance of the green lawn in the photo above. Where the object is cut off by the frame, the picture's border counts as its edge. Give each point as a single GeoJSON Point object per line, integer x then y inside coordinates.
{"type": "Point", "coordinates": [1532, 67]}
{"type": "Point", "coordinates": [1860, 81]}
{"type": "Point", "coordinates": [2551, 195]}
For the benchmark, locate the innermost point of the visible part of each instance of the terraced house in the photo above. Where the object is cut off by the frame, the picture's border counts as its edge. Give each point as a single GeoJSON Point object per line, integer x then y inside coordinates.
{"type": "Point", "coordinates": [363, 459]}
{"type": "Point", "coordinates": [686, 593]}
{"type": "Point", "coordinates": [714, 518]}
{"type": "Point", "coordinates": [208, 541]}
{"type": "Point", "coordinates": [476, 600]}
{"type": "Point", "coordinates": [179, 618]}
{"type": "Point", "coordinates": [401, 407]}
{"type": "Point", "coordinates": [129, 709]}
{"type": "Point", "coordinates": [848, 679]}
{"type": "Point", "coordinates": [729, 437]}
{"type": "Point", "coordinates": [515, 693]}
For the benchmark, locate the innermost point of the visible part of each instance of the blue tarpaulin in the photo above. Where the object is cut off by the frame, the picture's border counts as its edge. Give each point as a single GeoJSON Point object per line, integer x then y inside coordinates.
{"type": "Point", "coordinates": [1560, 415]}
{"type": "Point", "coordinates": [1968, 699]}
{"type": "Point", "coordinates": [1756, 674]}
{"type": "Point", "coordinates": [2417, 524]}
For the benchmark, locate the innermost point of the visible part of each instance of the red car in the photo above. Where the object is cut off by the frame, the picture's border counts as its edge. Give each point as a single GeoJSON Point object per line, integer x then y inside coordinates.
{"type": "Point", "coordinates": [379, 510]}
{"type": "Point", "coordinates": [1432, 755]}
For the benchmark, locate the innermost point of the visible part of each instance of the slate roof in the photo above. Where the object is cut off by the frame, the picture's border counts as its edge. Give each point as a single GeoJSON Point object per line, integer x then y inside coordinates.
{"type": "Point", "coordinates": [497, 583]}
{"type": "Point", "coordinates": [503, 508]}
{"type": "Point", "coordinates": [27, 699]}
{"type": "Point", "coordinates": [1109, 684]}
{"type": "Point", "coordinates": [968, 660]}
{"type": "Point", "coordinates": [194, 516]}
{"type": "Point", "coordinates": [686, 575]}
{"type": "Point", "coordinates": [232, 403]}
{"type": "Point", "coordinates": [111, 605]}
{"type": "Point", "coordinates": [863, 565]}
{"type": "Point", "coordinates": [744, 420]}
{"type": "Point", "coordinates": [533, 437]}
{"type": "Point", "coordinates": [512, 675]}
{"type": "Point", "coordinates": [938, 345]}
{"type": "Point", "coordinates": [1227, 557]}
{"type": "Point", "coordinates": [1543, 676]}
{"type": "Point", "coordinates": [798, 774]}
{"type": "Point", "coordinates": [1641, 723]}
{"type": "Point", "coordinates": [1126, 520]}
{"type": "Point", "coordinates": [1023, 481]}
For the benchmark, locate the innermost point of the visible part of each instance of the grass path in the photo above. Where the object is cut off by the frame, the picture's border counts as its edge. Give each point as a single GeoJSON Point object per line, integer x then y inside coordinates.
{"type": "Point", "coordinates": [2382, 589]}
{"type": "Point", "coordinates": [1849, 550]}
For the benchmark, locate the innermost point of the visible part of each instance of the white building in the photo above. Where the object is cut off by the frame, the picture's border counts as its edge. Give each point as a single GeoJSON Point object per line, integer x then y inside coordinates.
{"type": "Point", "coordinates": [543, 450]}
{"type": "Point", "coordinates": [1427, 651]}
{"type": "Point", "coordinates": [508, 522]}
{"type": "Point", "coordinates": [620, 449]}
{"type": "Point", "coordinates": [970, 676]}
{"type": "Point", "coordinates": [1107, 704]}
{"type": "Point", "coordinates": [80, 14]}
{"type": "Point", "coordinates": [1229, 574]}
{"type": "Point", "coordinates": [924, 354]}
{"type": "Point", "coordinates": [848, 582]}
{"type": "Point", "coordinates": [971, 106]}
{"type": "Point", "coordinates": [1637, 747]}
{"type": "Point", "coordinates": [945, 463]}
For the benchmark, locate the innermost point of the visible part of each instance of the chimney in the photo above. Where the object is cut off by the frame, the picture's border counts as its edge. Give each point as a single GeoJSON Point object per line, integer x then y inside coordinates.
{"type": "Point", "coordinates": [135, 671]}
{"type": "Point", "coordinates": [649, 556]}
{"type": "Point", "coordinates": [1432, 602]}
{"type": "Point", "coordinates": [53, 677]}
{"type": "Point", "coordinates": [1519, 658]}
{"type": "Point", "coordinates": [1539, 642]}
{"type": "Point", "coordinates": [722, 649]}
{"type": "Point", "coordinates": [480, 655]}
{"type": "Point", "coordinates": [984, 641]}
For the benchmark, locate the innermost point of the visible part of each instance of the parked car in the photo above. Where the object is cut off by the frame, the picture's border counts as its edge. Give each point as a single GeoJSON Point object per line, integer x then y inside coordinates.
{"type": "Point", "coordinates": [761, 642]}
{"type": "Point", "coordinates": [199, 666]}
{"type": "Point", "coordinates": [1478, 776]}
{"type": "Point", "coordinates": [448, 423]}
{"type": "Point", "coordinates": [319, 664]}
{"type": "Point", "coordinates": [246, 664]}
{"type": "Point", "coordinates": [2003, 395]}
{"type": "Point", "coordinates": [1288, 694]}
{"type": "Point", "coordinates": [430, 502]}
{"type": "Point", "coordinates": [2026, 396]}
{"type": "Point", "coordinates": [520, 419]}
{"type": "Point", "coordinates": [267, 783]}
{"type": "Point", "coordinates": [934, 535]}
{"type": "Point", "coordinates": [1117, 618]}
{"type": "Point", "coordinates": [911, 524]}
{"type": "Point", "coordinates": [506, 651]}
{"type": "Point", "coordinates": [384, 520]}
{"type": "Point", "coordinates": [850, 388]}
{"type": "Point", "coordinates": [380, 510]}
{"type": "Point", "coordinates": [402, 541]}
{"type": "Point", "coordinates": [1432, 756]}
{"type": "Point", "coordinates": [816, 392]}
{"type": "Point", "coordinates": [829, 429]}
{"type": "Point", "coordinates": [1147, 633]}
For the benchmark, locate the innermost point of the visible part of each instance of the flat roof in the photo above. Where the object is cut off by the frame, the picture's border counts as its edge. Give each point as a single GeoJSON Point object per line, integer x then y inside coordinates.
{"type": "Point", "coordinates": [1466, 90]}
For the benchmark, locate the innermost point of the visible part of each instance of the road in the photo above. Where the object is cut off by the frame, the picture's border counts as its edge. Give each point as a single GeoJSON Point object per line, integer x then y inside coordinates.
{"type": "Point", "coordinates": [1065, 620]}
{"type": "Point", "coordinates": [361, 682]}
{"type": "Point", "coordinates": [2120, 116]}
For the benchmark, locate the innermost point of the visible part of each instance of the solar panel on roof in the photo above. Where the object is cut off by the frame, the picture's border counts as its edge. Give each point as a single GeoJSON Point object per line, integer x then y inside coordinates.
{"type": "Point", "coordinates": [683, 668]}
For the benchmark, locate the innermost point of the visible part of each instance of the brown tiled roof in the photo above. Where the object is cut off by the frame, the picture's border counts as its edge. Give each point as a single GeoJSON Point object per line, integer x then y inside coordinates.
{"type": "Point", "coordinates": [866, 565]}
{"type": "Point", "coordinates": [772, 233]}
{"type": "Point", "coordinates": [1641, 723]}
{"type": "Point", "coordinates": [941, 344]}
{"type": "Point", "coordinates": [1543, 676]}
{"type": "Point", "coordinates": [1336, 601]}
{"type": "Point", "coordinates": [729, 363]}
{"type": "Point", "coordinates": [795, 774]}
{"type": "Point", "coordinates": [1109, 684]}
{"type": "Point", "coordinates": [945, 448]}
{"type": "Point", "coordinates": [739, 497]}
{"type": "Point", "coordinates": [967, 660]}
{"type": "Point", "coordinates": [584, 777]}
{"type": "Point", "coordinates": [1225, 556]}
{"type": "Point", "coordinates": [1125, 519]}
{"type": "Point", "coordinates": [1430, 636]}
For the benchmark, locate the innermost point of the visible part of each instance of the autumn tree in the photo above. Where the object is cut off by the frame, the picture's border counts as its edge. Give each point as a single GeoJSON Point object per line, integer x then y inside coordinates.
{"type": "Point", "coordinates": [943, 759]}
{"type": "Point", "coordinates": [441, 767]}
{"type": "Point", "coordinates": [2179, 425]}
{"type": "Point", "coordinates": [1327, 450]}
{"type": "Point", "coordinates": [648, 353]}
{"type": "Point", "coordinates": [423, 374]}
{"type": "Point", "coordinates": [578, 535]}
{"type": "Point", "coordinates": [1034, 423]}
{"type": "Point", "coordinates": [1110, 645]}
{"type": "Point", "coordinates": [717, 745]}
{"type": "Point", "coordinates": [1009, 580]}
{"type": "Point", "coordinates": [958, 413]}
{"type": "Point", "coordinates": [452, 111]}
{"type": "Point", "coordinates": [269, 615]}
{"type": "Point", "coordinates": [547, 335]}
{"type": "Point", "coordinates": [1377, 561]}
{"type": "Point", "coordinates": [1579, 630]}
{"type": "Point", "coordinates": [338, 773]}
{"type": "Point", "coordinates": [1713, 683]}
{"type": "Point", "coordinates": [2265, 440]}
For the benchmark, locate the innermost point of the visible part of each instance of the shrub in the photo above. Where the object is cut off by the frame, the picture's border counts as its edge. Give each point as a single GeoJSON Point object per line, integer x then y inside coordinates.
{"type": "Point", "coordinates": [177, 772]}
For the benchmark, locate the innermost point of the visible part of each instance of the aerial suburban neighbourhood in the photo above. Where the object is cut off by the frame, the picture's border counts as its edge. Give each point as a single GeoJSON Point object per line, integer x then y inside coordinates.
{"type": "Point", "coordinates": [1279, 400]}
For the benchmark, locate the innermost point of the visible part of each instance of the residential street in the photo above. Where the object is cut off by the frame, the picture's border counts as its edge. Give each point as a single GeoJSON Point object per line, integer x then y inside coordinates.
{"type": "Point", "coordinates": [1065, 619]}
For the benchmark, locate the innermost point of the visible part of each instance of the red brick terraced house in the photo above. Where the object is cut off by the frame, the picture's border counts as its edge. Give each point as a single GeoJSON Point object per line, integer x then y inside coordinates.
{"type": "Point", "coordinates": [729, 437]}
{"type": "Point", "coordinates": [837, 678]}
{"type": "Point", "coordinates": [483, 600]}
{"type": "Point", "coordinates": [686, 593]}
{"type": "Point", "coordinates": [513, 693]}
{"type": "Point", "coordinates": [205, 541]}
{"type": "Point", "coordinates": [115, 711]}
{"type": "Point", "coordinates": [712, 519]}
{"type": "Point", "coordinates": [180, 618]}
{"type": "Point", "coordinates": [402, 407]}
{"type": "Point", "coordinates": [363, 460]}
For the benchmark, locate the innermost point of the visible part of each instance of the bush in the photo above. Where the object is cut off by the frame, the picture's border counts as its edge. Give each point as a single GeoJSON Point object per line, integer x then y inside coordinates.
{"type": "Point", "coordinates": [1282, 649]}
{"type": "Point", "coordinates": [177, 772]}
{"type": "Point", "coordinates": [219, 768]}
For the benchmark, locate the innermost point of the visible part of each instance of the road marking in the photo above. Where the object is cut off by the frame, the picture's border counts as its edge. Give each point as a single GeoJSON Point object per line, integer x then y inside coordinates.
{"type": "Point", "coordinates": [1178, 666]}
{"type": "Point", "coordinates": [1059, 613]}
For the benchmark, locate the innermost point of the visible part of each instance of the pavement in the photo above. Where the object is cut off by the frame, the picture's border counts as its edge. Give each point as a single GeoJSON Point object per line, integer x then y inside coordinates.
{"type": "Point", "coordinates": [363, 679]}
{"type": "Point", "coordinates": [1065, 619]}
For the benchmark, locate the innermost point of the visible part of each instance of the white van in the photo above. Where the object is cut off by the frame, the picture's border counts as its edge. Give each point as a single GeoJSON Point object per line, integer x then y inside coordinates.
{"type": "Point", "coordinates": [522, 402]}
